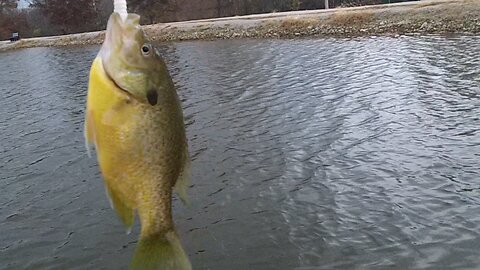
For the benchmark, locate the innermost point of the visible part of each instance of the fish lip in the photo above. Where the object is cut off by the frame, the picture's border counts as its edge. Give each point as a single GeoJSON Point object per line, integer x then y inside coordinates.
{"type": "Point", "coordinates": [122, 90]}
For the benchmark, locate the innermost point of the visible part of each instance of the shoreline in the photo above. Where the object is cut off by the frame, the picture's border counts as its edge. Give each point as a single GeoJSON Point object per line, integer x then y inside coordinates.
{"type": "Point", "coordinates": [422, 17]}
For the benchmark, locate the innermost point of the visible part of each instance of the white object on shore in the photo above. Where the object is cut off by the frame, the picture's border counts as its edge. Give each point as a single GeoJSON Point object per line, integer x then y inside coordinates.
{"type": "Point", "coordinates": [120, 7]}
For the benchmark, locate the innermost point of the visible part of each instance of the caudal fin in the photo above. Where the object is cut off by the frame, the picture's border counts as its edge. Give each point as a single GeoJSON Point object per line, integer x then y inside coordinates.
{"type": "Point", "coordinates": [160, 252]}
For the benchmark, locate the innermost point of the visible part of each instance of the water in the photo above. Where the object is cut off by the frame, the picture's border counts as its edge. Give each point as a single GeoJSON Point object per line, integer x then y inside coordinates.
{"type": "Point", "coordinates": [307, 154]}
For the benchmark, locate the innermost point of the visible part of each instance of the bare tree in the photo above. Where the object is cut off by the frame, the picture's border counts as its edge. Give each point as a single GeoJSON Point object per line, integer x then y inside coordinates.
{"type": "Point", "coordinates": [154, 11]}
{"type": "Point", "coordinates": [39, 24]}
{"type": "Point", "coordinates": [7, 4]}
{"type": "Point", "coordinates": [103, 9]}
{"type": "Point", "coordinates": [69, 15]}
{"type": "Point", "coordinates": [8, 22]}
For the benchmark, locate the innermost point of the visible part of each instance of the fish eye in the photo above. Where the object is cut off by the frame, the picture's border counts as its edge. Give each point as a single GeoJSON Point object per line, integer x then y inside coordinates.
{"type": "Point", "coordinates": [146, 49]}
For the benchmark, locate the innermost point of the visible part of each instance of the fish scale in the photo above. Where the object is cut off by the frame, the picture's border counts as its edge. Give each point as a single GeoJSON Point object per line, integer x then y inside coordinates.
{"type": "Point", "coordinates": [134, 119]}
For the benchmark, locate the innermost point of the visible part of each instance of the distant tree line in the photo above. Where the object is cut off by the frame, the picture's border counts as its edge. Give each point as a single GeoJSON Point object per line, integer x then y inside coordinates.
{"type": "Point", "coordinates": [55, 17]}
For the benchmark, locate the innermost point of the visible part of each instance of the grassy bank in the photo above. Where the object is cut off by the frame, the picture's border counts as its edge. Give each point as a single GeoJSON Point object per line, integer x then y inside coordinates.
{"type": "Point", "coordinates": [428, 17]}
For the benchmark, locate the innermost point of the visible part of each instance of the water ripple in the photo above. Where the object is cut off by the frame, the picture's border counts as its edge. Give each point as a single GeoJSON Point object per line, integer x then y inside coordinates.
{"type": "Point", "coordinates": [307, 154]}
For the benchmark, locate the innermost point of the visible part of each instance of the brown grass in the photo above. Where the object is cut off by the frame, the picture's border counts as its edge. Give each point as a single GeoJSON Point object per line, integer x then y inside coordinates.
{"type": "Point", "coordinates": [342, 18]}
{"type": "Point", "coordinates": [297, 24]}
{"type": "Point", "coordinates": [427, 4]}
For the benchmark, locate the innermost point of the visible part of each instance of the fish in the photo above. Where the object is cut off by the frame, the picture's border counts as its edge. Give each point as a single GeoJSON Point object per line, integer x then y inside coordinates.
{"type": "Point", "coordinates": [134, 120]}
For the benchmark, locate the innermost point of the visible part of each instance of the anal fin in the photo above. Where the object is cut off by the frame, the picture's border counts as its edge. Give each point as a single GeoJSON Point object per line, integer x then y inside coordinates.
{"type": "Point", "coordinates": [183, 180]}
{"type": "Point", "coordinates": [125, 213]}
{"type": "Point", "coordinates": [89, 132]}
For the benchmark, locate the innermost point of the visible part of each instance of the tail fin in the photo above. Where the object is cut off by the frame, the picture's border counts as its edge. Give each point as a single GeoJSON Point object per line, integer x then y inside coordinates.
{"type": "Point", "coordinates": [163, 252]}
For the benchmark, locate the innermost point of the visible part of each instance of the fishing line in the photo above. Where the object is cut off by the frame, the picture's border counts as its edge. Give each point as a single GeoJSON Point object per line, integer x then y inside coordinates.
{"type": "Point", "coordinates": [120, 7]}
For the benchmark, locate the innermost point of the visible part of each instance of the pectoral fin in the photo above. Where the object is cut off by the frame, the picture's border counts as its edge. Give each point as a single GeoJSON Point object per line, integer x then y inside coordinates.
{"type": "Point", "coordinates": [125, 213]}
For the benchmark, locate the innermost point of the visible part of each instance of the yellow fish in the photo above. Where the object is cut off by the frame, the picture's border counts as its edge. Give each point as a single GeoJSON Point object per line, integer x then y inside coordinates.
{"type": "Point", "coordinates": [134, 119]}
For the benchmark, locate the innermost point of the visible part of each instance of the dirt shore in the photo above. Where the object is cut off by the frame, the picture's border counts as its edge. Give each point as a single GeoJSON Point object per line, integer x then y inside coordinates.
{"type": "Point", "coordinates": [424, 17]}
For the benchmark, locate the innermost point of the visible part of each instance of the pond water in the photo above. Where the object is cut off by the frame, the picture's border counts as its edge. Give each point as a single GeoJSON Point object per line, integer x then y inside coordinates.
{"type": "Point", "coordinates": [307, 154]}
